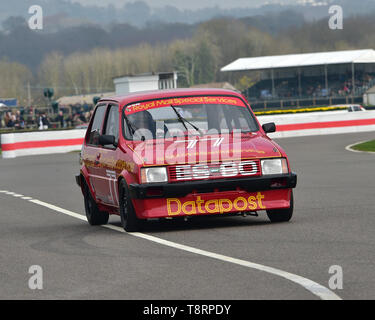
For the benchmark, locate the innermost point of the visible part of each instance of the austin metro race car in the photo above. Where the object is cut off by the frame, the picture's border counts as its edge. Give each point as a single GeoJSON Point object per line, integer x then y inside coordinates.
{"type": "Point", "coordinates": [181, 153]}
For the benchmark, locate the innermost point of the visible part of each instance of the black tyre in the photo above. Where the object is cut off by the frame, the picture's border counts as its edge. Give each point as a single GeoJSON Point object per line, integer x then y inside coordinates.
{"type": "Point", "coordinates": [129, 219]}
{"type": "Point", "coordinates": [282, 215]}
{"type": "Point", "coordinates": [94, 216]}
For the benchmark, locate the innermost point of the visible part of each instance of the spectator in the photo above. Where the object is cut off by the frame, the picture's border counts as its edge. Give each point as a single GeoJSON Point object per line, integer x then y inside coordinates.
{"type": "Point", "coordinates": [43, 122]}
{"type": "Point", "coordinates": [5, 119]}
{"type": "Point", "coordinates": [88, 116]}
{"type": "Point", "coordinates": [69, 120]}
{"type": "Point", "coordinates": [9, 120]}
{"type": "Point", "coordinates": [40, 121]}
{"type": "Point", "coordinates": [19, 120]}
{"type": "Point", "coordinates": [346, 89]}
{"type": "Point", "coordinates": [60, 119]}
{"type": "Point", "coordinates": [82, 117]}
{"type": "Point", "coordinates": [30, 120]}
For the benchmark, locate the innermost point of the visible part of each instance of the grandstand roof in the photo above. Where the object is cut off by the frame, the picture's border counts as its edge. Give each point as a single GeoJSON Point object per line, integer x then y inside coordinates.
{"type": "Point", "coordinates": [302, 60]}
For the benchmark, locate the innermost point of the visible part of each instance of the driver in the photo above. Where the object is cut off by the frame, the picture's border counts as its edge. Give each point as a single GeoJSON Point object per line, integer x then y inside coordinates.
{"type": "Point", "coordinates": [143, 123]}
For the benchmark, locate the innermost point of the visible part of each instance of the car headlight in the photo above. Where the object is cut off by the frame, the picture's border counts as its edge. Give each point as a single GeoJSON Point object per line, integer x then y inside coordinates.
{"type": "Point", "coordinates": [156, 174]}
{"type": "Point", "coordinates": [274, 166]}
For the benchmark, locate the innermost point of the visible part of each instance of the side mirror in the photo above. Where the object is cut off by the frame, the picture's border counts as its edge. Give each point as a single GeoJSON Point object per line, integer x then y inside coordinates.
{"type": "Point", "coordinates": [269, 127]}
{"type": "Point", "coordinates": [106, 139]}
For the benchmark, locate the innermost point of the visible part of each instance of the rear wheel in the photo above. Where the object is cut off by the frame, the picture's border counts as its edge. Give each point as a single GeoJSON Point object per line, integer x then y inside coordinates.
{"type": "Point", "coordinates": [129, 219]}
{"type": "Point", "coordinates": [94, 215]}
{"type": "Point", "coordinates": [282, 215]}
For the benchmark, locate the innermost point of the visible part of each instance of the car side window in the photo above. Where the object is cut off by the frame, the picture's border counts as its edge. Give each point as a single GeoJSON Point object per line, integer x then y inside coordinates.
{"type": "Point", "coordinates": [96, 126]}
{"type": "Point", "coordinates": [112, 123]}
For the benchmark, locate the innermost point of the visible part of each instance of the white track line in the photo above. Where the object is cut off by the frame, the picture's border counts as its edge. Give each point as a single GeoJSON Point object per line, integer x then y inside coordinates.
{"type": "Point", "coordinates": [314, 287]}
{"type": "Point", "coordinates": [349, 147]}
{"type": "Point", "coordinates": [58, 209]}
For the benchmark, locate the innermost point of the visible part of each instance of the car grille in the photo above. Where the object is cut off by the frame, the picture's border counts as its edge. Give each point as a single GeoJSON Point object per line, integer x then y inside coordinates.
{"type": "Point", "coordinates": [227, 169]}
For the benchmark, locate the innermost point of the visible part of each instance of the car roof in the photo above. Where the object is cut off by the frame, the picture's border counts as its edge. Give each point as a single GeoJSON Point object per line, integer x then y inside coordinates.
{"type": "Point", "coordinates": [170, 93]}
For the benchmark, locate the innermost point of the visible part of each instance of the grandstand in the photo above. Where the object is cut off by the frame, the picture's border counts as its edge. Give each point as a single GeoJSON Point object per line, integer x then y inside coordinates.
{"type": "Point", "coordinates": [307, 79]}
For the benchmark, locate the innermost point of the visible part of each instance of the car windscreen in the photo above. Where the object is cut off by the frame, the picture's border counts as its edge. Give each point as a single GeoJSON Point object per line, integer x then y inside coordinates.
{"type": "Point", "coordinates": [193, 119]}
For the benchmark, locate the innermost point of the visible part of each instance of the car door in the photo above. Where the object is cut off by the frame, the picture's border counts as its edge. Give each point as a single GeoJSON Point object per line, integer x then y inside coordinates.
{"type": "Point", "coordinates": [92, 153]}
{"type": "Point", "coordinates": [107, 186]}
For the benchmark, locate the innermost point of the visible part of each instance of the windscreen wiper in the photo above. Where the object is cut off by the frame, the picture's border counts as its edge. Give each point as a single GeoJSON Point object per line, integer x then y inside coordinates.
{"type": "Point", "coordinates": [184, 121]}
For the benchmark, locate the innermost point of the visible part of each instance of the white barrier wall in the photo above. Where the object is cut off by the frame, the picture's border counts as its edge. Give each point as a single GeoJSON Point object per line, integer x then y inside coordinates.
{"type": "Point", "coordinates": [320, 123]}
{"type": "Point", "coordinates": [41, 142]}
{"type": "Point", "coordinates": [288, 125]}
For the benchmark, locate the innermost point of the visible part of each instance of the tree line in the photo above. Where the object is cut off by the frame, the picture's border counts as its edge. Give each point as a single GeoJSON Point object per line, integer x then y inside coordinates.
{"type": "Point", "coordinates": [197, 57]}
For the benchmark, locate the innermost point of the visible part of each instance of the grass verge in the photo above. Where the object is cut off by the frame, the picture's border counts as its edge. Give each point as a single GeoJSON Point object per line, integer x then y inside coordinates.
{"type": "Point", "coordinates": [368, 146]}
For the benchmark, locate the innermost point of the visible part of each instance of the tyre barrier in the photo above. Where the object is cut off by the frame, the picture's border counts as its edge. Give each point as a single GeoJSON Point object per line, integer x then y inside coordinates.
{"type": "Point", "coordinates": [45, 142]}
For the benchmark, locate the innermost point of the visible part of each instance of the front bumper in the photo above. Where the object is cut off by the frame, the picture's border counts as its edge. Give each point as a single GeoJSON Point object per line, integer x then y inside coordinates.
{"type": "Point", "coordinates": [182, 189]}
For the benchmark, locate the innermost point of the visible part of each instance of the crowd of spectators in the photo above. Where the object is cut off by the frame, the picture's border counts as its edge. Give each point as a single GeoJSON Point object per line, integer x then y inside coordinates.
{"type": "Point", "coordinates": [338, 86]}
{"type": "Point", "coordinates": [30, 118]}
{"type": "Point", "coordinates": [13, 120]}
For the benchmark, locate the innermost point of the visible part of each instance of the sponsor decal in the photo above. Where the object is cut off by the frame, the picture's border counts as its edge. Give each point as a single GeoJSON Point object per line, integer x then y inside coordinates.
{"type": "Point", "coordinates": [200, 206]}
{"type": "Point", "coordinates": [142, 106]}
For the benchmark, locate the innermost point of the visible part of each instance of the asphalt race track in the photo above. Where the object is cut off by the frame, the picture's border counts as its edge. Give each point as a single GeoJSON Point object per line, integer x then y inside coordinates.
{"type": "Point", "coordinates": [333, 224]}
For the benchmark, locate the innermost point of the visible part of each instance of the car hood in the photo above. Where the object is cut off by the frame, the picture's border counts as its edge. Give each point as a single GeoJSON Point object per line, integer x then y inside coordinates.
{"type": "Point", "coordinates": [204, 149]}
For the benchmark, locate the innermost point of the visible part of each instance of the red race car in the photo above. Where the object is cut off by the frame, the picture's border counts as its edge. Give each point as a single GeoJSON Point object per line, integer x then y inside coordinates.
{"type": "Point", "coordinates": [181, 153]}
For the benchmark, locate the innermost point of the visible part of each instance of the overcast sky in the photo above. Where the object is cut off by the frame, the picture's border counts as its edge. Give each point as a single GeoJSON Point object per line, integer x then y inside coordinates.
{"type": "Point", "coordinates": [191, 4]}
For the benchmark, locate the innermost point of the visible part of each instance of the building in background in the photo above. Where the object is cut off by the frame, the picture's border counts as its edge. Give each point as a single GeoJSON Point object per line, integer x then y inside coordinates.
{"type": "Point", "coordinates": [307, 79]}
{"type": "Point", "coordinates": [145, 82]}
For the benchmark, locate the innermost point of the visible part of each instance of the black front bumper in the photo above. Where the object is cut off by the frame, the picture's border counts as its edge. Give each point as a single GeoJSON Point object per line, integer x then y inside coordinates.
{"type": "Point", "coordinates": [181, 189]}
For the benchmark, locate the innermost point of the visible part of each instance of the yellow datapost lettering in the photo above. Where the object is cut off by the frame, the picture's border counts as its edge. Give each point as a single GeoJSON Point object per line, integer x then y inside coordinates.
{"type": "Point", "coordinates": [170, 212]}
{"type": "Point", "coordinates": [252, 203]}
{"type": "Point", "coordinates": [207, 206]}
{"type": "Point", "coordinates": [192, 210]}
{"type": "Point", "coordinates": [237, 207]}
{"type": "Point", "coordinates": [199, 202]}
{"type": "Point", "coordinates": [221, 206]}
{"type": "Point", "coordinates": [260, 197]}
{"type": "Point", "coordinates": [200, 206]}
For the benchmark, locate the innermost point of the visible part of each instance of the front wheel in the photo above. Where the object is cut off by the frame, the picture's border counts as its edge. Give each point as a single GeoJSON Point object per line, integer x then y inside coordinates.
{"type": "Point", "coordinates": [282, 215]}
{"type": "Point", "coordinates": [94, 216]}
{"type": "Point", "coordinates": [129, 219]}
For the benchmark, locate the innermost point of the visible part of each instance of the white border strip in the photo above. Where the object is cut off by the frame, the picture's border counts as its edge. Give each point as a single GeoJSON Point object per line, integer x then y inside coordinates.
{"type": "Point", "coordinates": [349, 147]}
{"type": "Point", "coordinates": [314, 287]}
